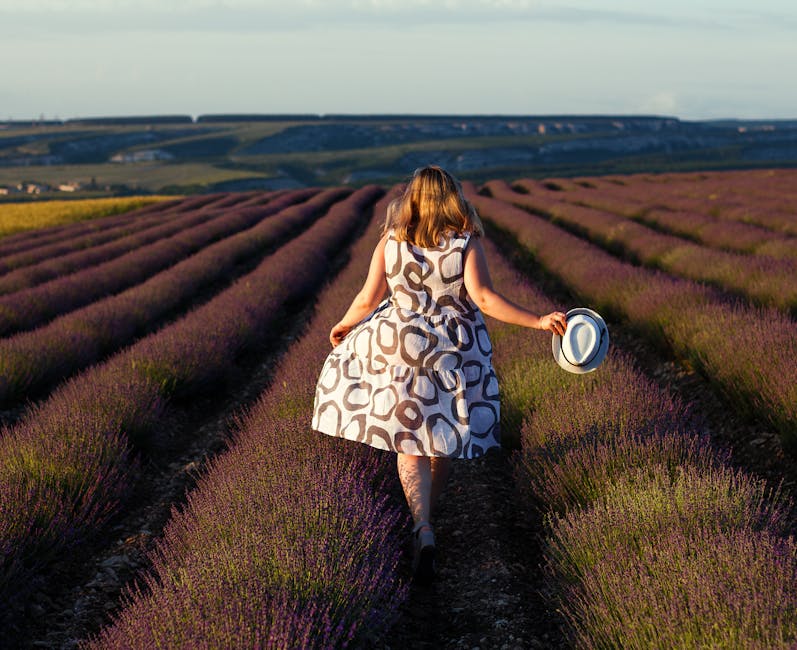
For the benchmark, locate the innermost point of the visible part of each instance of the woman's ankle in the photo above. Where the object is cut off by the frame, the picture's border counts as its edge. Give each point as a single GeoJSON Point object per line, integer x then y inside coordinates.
{"type": "Point", "coordinates": [422, 526]}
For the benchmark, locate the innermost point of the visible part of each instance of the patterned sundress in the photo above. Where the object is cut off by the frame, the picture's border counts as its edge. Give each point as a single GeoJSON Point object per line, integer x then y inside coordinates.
{"type": "Point", "coordinates": [416, 375]}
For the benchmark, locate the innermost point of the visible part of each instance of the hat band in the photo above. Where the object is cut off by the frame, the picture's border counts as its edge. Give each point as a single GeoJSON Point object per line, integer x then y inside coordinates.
{"type": "Point", "coordinates": [589, 359]}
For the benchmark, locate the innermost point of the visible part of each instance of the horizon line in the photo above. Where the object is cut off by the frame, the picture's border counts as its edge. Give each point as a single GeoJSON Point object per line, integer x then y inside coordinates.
{"type": "Point", "coordinates": [197, 118]}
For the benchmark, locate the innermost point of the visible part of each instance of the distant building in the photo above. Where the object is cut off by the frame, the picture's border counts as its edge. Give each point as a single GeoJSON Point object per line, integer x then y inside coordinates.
{"type": "Point", "coordinates": [33, 188]}
{"type": "Point", "coordinates": [144, 155]}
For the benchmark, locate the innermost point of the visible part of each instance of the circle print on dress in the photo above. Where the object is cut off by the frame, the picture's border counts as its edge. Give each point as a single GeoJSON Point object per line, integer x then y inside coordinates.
{"type": "Point", "coordinates": [416, 344]}
{"type": "Point", "coordinates": [357, 396]}
{"type": "Point", "coordinates": [483, 340]}
{"type": "Point", "coordinates": [445, 361]}
{"type": "Point", "coordinates": [459, 408]}
{"type": "Point", "coordinates": [443, 436]}
{"type": "Point", "coordinates": [386, 336]}
{"type": "Point", "coordinates": [422, 388]}
{"type": "Point", "coordinates": [460, 333]}
{"type": "Point", "coordinates": [330, 375]}
{"type": "Point", "coordinates": [327, 417]}
{"type": "Point", "coordinates": [483, 418]}
{"type": "Point", "coordinates": [414, 275]}
{"type": "Point", "coordinates": [361, 343]}
{"type": "Point", "coordinates": [490, 385]}
{"type": "Point", "coordinates": [384, 402]}
{"type": "Point", "coordinates": [409, 414]}
{"type": "Point", "coordinates": [450, 264]}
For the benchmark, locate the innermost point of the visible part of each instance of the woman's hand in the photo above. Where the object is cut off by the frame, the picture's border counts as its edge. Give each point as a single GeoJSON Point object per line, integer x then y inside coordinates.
{"type": "Point", "coordinates": [338, 333]}
{"type": "Point", "coordinates": [555, 322]}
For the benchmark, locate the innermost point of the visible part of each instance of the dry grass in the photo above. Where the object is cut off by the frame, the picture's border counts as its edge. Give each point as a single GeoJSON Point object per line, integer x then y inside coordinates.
{"type": "Point", "coordinates": [18, 217]}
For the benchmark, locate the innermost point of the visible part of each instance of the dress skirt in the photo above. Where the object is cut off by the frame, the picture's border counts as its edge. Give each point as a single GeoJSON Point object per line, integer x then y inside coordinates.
{"type": "Point", "coordinates": [416, 375]}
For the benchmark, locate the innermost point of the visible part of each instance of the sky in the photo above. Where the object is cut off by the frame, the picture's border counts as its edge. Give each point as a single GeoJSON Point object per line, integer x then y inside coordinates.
{"type": "Point", "coordinates": [691, 59]}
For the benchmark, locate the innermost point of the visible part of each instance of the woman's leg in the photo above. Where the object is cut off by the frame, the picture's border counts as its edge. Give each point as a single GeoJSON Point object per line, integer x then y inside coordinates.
{"type": "Point", "coordinates": [441, 470]}
{"type": "Point", "coordinates": [423, 479]}
{"type": "Point", "coordinates": [415, 474]}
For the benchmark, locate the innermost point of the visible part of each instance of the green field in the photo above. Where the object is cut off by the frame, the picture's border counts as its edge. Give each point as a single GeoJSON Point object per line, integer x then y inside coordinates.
{"type": "Point", "coordinates": [109, 156]}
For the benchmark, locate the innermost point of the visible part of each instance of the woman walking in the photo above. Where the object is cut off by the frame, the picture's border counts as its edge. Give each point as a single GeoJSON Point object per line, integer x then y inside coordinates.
{"type": "Point", "coordinates": [411, 366]}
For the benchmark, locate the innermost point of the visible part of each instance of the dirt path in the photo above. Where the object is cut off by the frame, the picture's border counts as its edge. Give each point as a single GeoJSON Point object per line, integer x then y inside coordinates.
{"type": "Point", "coordinates": [487, 591]}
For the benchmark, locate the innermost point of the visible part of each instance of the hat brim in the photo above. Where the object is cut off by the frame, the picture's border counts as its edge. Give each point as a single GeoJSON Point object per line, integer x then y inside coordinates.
{"type": "Point", "coordinates": [597, 358]}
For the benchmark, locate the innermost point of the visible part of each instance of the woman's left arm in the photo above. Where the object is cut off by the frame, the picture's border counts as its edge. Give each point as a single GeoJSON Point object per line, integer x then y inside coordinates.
{"type": "Point", "coordinates": [368, 298]}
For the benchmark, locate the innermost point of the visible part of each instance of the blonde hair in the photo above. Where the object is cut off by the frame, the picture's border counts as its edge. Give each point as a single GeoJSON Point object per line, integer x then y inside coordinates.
{"type": "Point", "coordinates": [432, 205]}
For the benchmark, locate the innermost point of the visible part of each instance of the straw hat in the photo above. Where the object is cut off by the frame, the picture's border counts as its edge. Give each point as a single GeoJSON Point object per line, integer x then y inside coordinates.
{"type": "Point", "coordinates": [585, 342]}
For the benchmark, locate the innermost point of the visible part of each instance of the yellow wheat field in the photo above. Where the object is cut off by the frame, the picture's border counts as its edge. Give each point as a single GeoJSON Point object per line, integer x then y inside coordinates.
{"type": "Point", "coordinates": [16, 217]}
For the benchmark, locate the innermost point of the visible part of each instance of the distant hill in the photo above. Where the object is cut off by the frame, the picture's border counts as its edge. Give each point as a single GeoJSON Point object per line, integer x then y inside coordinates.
{"type": "Point", "coordinates": [179, 153]}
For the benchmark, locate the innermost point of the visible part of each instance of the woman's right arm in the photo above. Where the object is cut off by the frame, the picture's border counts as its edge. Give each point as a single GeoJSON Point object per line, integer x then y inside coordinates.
{"type": "Point", "coordinates": [480, 289]}
{"type": "Point", "coordinates": [368, 298]}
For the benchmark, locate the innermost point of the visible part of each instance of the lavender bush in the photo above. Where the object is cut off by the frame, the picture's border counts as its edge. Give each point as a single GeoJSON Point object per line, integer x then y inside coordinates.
{"type": "Point", "coordinates": [31, 307]}
{"type": "Point", "coordinates": [82, 234]}
{"type": "Point", "coordinates": [727, 235]}
{"type": "Point", "coordinates": [75, 479]}
{"type": "Point", "coordinates": [30, 362]}
{"type": "Point", "coordinates": [649, 501]}
{"type": "Point", "coordinates": [576, 444]}
{"type": "Point", "coordinates": [288, 540]}
{"type": "Point", "coordinates": [764, 280]}
{"type": "Point", "coordinates": [714, 589]}
{"type": "Point", "coordinates": [700, 227]}
{"type": "Point", "coordinates": [23, 240]}
{"type": "Point", "coordinates": [64, 245]}
{"type": "Point", "coordinates": [751, 354]}
{"type": "Point", "coordinates": [764, 199]}
{"type": "Point", "coordinates": [651, 540]}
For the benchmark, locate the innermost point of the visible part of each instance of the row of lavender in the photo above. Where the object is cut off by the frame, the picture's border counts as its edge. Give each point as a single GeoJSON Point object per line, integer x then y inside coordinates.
{"type": "Point", "coordinates": [28, 239]}
{"type": "Point", "coordinates": [31, 362]}
{"type": "Point", "coordinates": [63, 241]}
{"type": "Point", "coordinates": [70, 463]}
{"type": "Point", "coordinates": [288, 540]}
{"type": "Point", "coordinates": [40, 292]}
{"type": "Point", "coordinates": [64, 244]}
{"type": "Point", "coordinates": [650, 539]}
{"type": "Point", "coordinates": [763, 280]}
{"type": "Point", "coordinates": [82, 233]}
{"type": "Point", "coordinates": [658, 212]}
{"type": "Point", "coordinates": [763, 198]}
{"type": "Point", "coordinates": [749, 353]}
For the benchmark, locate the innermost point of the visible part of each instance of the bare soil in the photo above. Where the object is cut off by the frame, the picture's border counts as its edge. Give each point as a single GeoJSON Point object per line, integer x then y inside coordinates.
{"type": "Point", "coordinates": [489, 589]}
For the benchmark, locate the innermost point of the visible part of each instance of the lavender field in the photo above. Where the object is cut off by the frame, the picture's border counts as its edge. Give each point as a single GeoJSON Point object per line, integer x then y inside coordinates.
{"type": "Point", "coordinates": [659, 489]}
